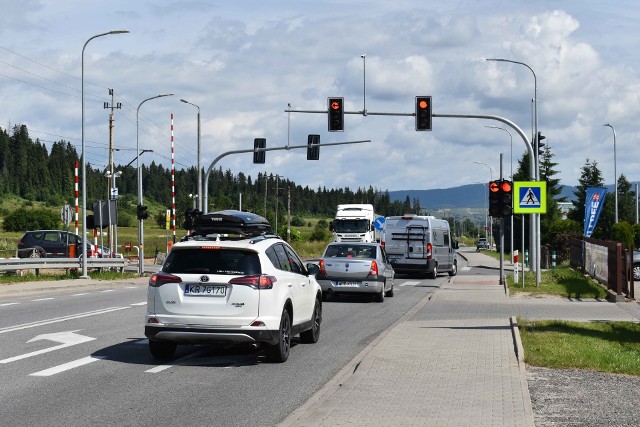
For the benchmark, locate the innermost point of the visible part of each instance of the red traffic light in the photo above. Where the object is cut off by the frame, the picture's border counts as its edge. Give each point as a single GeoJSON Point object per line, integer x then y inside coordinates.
{"type": "Point", "coordinates": [494, 187]}
{"type": "Point", "coordinates": [506, 186]}
{"type": "Point", "coordinates": [423, 103]}
{"type": "Point", "coordinates": [335, 105]}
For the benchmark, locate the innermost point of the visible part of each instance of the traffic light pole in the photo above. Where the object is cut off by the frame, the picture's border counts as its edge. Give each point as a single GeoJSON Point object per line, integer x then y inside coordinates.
{"type": "Point", "coordinates": [205, 205]}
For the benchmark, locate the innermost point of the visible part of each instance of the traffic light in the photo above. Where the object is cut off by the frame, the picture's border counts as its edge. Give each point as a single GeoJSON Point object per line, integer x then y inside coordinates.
{"type": "Point", "coordinates": [506, 191]}
{"type": "Point", "coordinates": [259, 156]}
{"type": "Point", "coordinates": [335, 114]}
{"type": "Point", "coordinates": [423, 113]}
{"type": "Point", "coordinates": [142, 212]}
{"type": "Point", "coordinates": [540, 144]}
{"type": "Point", "coordinates": [313, 147]}
{"type": "Point", "coordinates": [494, 199]}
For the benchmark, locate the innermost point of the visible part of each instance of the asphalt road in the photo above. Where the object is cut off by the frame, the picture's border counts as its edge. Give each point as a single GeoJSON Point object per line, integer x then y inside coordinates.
{"type": "Point", "coordinates": [81, 358]}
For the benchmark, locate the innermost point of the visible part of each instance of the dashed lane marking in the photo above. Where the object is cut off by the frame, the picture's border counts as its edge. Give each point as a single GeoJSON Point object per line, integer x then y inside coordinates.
{"type": "Point", "coordinates": [413, 283]}
{"type": "Point", "coordinates": [66, 366]}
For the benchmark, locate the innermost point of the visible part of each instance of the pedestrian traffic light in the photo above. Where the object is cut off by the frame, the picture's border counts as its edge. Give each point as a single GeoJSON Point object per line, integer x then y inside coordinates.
{"type": "Point", "coordinates": [335, 114]}
{"type": "Point", "coordinates": [506, 191]}
{"type": "Point", "coordinates": [423, 113]}
{"type": "Point", "coordinates": [142, 212]}
{"type": "Point", "coordinates": [494, 199]}
{"type": "Point", "coordinates": [313, 147]}
{"type": "Point", "coordinates": [259, 156]}
{"type": "Point", "coordinates": [540, 144]}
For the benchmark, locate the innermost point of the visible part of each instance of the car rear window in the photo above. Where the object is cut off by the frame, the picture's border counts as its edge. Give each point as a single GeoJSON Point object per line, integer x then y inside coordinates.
{"type": "Point", "coordinates": [350, 251]}
{"type": "Point", "coordinates": [231, 262]}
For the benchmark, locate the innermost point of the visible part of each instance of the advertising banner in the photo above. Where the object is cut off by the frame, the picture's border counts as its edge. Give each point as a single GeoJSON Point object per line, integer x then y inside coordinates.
{"type": "Point", "coordinates": [592, 208]}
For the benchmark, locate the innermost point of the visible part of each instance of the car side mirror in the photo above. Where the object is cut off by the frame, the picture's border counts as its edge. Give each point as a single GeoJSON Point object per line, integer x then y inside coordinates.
{"type": "Point", "coordinates": [313, 269]}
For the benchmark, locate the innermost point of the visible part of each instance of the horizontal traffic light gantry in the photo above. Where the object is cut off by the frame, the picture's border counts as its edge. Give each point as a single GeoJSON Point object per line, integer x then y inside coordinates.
{"type": "Point", "coordinates": [335, 113]}
{"type": "Point", "coordinates": [423, 113]}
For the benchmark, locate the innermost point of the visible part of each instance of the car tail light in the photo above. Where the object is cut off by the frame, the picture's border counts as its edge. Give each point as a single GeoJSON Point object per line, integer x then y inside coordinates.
{"type": "Point", "coordinates": [429, 248]}
{"type": "Point", "coordinates": [322, 269]}
{"type": "Point", "coordinates": [373, 270]}
{"type": "Point", "coordinates": [382, 244]}
{"type": "Point", "coordinates": [256, 282]}
{"type": "Point", "coordinates": [158, 279]}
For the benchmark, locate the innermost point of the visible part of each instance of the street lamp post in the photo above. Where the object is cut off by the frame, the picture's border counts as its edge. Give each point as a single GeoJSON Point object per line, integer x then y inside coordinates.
{"type": "Point", "coordinates": [615, 172]}
{"type": "Point", "coordinates": [364, 83]}
{"type": "Point", "coordinates": [141, 221]}
{"type": "Point", "coordinates": [511, 164]}
{"type": "Point", "coordinates": [490, 219]}
{"type": "Point", "coordinates": [534, 233]}
{"type": "Point", "coordinates": [198, 161]}
{"type": "Point", "coordinates": [486, 211]}
{"type": "Point", "coordinates": [84, 158]}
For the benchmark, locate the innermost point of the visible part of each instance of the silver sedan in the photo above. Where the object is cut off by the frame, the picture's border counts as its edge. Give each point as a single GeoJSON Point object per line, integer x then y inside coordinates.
{"type": "Point", "coordinates": [356, 268]}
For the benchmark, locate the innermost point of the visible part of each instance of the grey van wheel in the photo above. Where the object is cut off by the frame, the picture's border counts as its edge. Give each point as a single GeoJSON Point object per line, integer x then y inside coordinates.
{"type": "Point", "coordinates": [454, 269]}
{"type": "Point", "coordinates": [434, 273]}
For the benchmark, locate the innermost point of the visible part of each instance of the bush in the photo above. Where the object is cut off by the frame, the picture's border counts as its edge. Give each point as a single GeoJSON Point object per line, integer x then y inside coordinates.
{"type": "Point", "coordinates": [636, 236]}
{"type": "Point", "coordinates": [297, 221]}
{"type": "Point", "coordinates": [623, 232]}
{"type": "Point", "coordinates": [322, 224]}
{"type": "Point", "coordinates": [32, 219]}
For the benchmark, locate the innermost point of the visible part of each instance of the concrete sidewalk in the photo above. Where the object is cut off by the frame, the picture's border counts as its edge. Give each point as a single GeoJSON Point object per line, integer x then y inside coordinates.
{"type": "Point", "coordinates": [450, 361]}
{"type": "Point", "coordinates": [24, 288]}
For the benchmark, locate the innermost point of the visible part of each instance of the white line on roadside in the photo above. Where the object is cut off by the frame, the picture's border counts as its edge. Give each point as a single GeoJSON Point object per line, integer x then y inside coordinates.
{"type": "Point", "coordinates": [59, 319]}
{"type": "Point", "coordinates": [66, 366]}
{"type": "Point", "coordinates": [9, 303]}
{"type": "Point", "coordinates": [412, 283]}
{"type": "Point", "coordinates": [158, 369]}
{"type": "Point", "coordinates": [41, 299]}
{"type": "Point", "coordinates": [140, 303]}
{"type": "Point", "coordinates": [108, 290]}
{"type": "Point", "coordinates": [78, 295]}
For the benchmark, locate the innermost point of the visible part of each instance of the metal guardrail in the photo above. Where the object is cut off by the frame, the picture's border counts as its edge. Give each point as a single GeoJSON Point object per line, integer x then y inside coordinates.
{"type": "Point", "coordinates": [14, 264]}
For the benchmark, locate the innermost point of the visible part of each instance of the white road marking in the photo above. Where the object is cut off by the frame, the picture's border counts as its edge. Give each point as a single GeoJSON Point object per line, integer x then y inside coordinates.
{"type": "Point", "coordinates": [41, 299]}
{"type": "Point", "coordinates": [466, 268]}
{"type": "Point", "coordinates": [412, 283]}
{"type": "Point", "coordinates": [140, 303]}
{"type": "Point", "coordinates": [108, 290]}
{"type": "Point", "coordinates": [78, 295]}
{"type": "Point", "coordinates": [66, 366]}
{"type": "Point", "coordinates": [67, 339]}
{"type": "Point", "coordinates": [9, 303]}
{"type": "Point", "coordinates": [158, 369]}
{"type": "Point", "coordinates": [60, 319]}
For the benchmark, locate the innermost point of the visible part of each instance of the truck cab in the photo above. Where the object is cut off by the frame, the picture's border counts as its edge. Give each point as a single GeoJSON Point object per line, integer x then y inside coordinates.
{"type": "Point", "coordinates": [354, 223]}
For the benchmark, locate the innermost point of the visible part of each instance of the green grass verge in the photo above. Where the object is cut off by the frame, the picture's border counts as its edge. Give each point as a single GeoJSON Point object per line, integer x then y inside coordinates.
{"type": "Point", "coordinates": [562, 281]}
{"type": "Point", "coordinates": [30, 277]}
{"type": "Point", "coordinates": [601, 346]}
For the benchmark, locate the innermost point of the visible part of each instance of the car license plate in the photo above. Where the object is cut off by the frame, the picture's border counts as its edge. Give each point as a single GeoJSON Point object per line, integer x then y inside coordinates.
{"type": "Point", "coordinates": [209, 290]}
{"type": "Point", "coordinates": [348, 284]}
{"type": "Point", "coordinates": [394, 256]}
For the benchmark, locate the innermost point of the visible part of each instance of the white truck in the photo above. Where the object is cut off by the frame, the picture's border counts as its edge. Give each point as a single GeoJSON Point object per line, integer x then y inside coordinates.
{"type": "Point", "coordinates": [354, 223]}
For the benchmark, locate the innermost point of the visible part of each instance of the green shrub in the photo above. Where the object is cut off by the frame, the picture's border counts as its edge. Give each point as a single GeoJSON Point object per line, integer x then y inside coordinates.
{"type": "Point", "coordinates": [623, 232]}
{"type": "Point", "coordinates": [31, 219]}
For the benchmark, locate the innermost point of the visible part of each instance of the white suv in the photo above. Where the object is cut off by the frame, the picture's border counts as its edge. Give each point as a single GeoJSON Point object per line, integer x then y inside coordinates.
{"type": "Point", "coordinates": [230, 282]}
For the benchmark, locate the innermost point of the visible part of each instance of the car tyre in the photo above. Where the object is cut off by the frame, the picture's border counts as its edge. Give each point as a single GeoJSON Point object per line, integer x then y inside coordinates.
{"type": "Point", "coordinates": [312, 335]}
{"type": "Point", "coordinates": [37, 252]}
{"type": "Point", "coordinates": [636, 272]}
{"type": "Point", "coordinates": [379, 297]}
{"type": "Point", "coordinates": [389, 293]}
{"type": "Point", "coordinates": [279, 352]}
{"type": "Point", "coordinates": [454, 269]}
{"type": "Point", "coordinates": [162, 349]}
{"type": "Point", "coordinates": [434, 273]}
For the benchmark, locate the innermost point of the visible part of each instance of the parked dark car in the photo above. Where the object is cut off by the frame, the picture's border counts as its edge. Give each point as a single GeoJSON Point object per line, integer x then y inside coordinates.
{"type": "Point", "coordinates": [636, 265]}
{"type": "Point", "coordinates": [51, 243]}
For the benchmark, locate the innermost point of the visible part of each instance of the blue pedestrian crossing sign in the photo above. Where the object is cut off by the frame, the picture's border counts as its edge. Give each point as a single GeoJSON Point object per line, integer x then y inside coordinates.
{"type": "Point", "coordinates": [529, 197]}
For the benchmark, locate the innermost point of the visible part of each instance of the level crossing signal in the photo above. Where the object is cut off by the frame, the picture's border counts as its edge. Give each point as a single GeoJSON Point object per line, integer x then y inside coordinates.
{"type": "Point", "coordinates": [423, 113]}
{"type": "Point", "coordinates": [259, 156]}
{"type": "Point", "coordinates": [313, 147]}
{"type": "Point", "coordinates": [335, 113]}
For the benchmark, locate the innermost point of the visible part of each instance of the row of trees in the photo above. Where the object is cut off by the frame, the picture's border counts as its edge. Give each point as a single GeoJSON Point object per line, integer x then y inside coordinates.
{"type": "Point", "coordinates": [29, 171]}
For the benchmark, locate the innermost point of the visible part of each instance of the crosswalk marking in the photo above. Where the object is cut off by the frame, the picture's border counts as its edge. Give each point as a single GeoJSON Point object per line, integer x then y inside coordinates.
{"type": "Point", "coordinates": [158, 369]}
{"type": "Point", "coordinates": [66, 366]}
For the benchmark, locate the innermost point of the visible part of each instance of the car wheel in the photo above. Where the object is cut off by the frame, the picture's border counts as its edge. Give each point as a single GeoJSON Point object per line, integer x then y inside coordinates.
{"type": "Point", "coordinates": [434, 273]}
{"type": "Point", "coordinates": [636, 272]}
{"type": "Point", "coordinates": [389, 293]}
{"type": "Point", "coordinates": [37, 252]}
{"type": "Point", "coordinates": [279, 352]}
{"type": "Point", "coordinates": [312, 335]}
{"type": "Point", "coordinates": [454, 269]}
{"type": "Point", "coordinates": [162, 349]}
{"type": "Point", "coordinates": [379, 297]}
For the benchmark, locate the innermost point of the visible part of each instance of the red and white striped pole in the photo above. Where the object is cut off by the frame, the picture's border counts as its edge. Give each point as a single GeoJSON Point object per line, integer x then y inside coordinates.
{"type": "Point", "coordinates": [173, 185]}
{"type": "Point", "coordinates": [76, 192]}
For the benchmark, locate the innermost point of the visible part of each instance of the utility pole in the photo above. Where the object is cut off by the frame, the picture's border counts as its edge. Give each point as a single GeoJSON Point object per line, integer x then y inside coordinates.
{"type": "Point", "coordinates": [112, 177]}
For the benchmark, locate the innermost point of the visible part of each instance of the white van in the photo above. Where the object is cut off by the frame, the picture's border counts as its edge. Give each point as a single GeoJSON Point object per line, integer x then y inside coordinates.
{"type": "Point", "coordinates": [420, 245]}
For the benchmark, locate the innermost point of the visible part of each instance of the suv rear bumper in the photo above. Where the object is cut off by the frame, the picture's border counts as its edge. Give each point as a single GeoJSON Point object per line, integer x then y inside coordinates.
{"type": "Point", "coordinates": [206, 335]}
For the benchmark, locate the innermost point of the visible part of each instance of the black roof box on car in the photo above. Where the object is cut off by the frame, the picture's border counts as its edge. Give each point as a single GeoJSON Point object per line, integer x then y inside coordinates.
{"type": "Point", "coordinates": [230, 222]}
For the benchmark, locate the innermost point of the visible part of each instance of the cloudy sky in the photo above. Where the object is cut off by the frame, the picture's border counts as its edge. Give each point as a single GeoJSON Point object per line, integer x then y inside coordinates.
{"type": "Point", "coordinates": [243, 62]}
